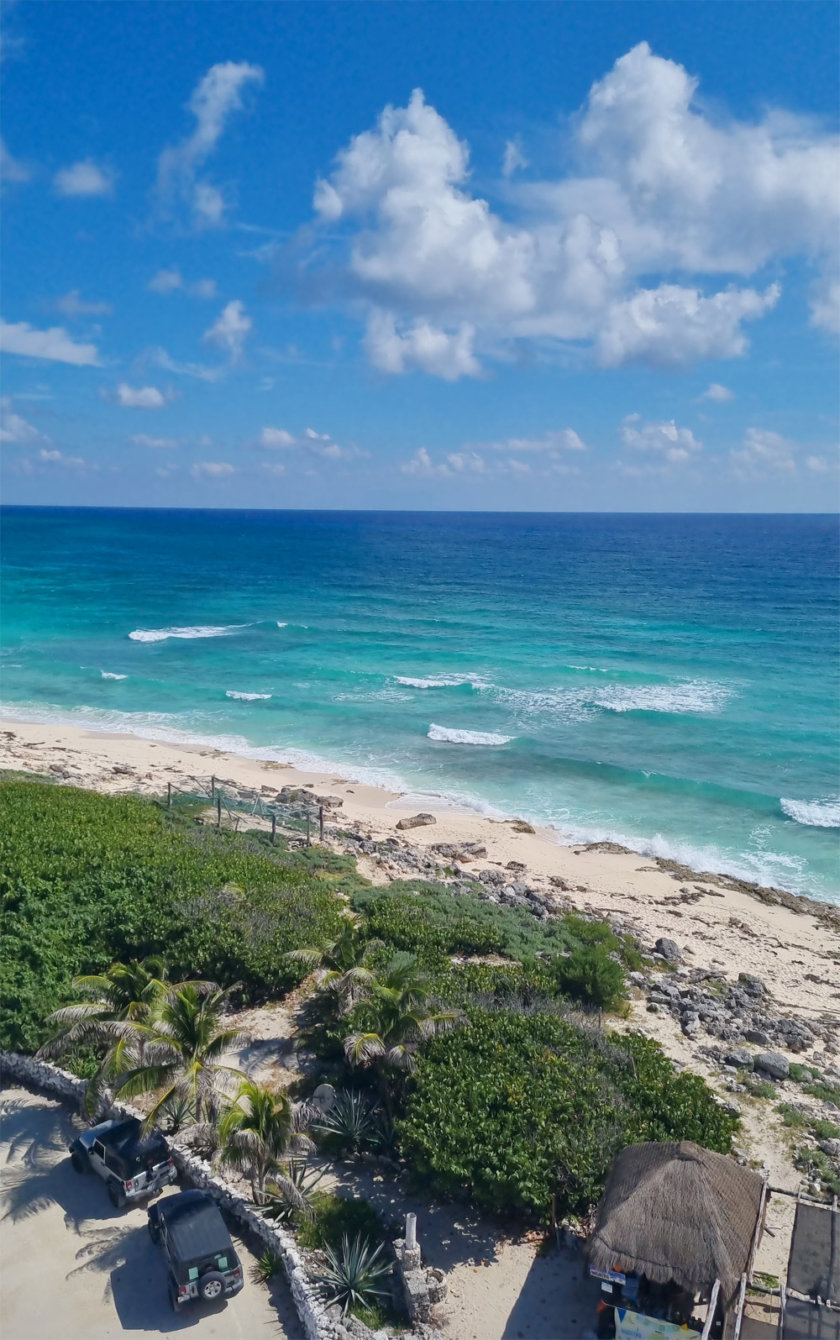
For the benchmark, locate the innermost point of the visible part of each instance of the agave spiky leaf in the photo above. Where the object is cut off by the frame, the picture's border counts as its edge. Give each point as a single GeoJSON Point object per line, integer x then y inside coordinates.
{"type": "Point", "coordinates": [353, 1274]}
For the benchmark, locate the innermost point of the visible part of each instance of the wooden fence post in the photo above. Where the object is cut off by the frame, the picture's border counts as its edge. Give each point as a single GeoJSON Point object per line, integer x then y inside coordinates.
{"type": "Point", "coordinates": [213, 788]}
{"type": "Point", "coordinates": [168, 794]}
{"type": "Point", "coordinates": [218, 811]}
{"type": "Point", "coordinates": [308, 839]}
{"type": "Point", "coordinates": [321, 823]}
{"type": "Point", "coordinates": [273, 828]}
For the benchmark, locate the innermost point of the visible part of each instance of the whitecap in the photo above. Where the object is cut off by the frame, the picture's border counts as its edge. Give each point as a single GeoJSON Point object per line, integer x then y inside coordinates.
{"type": "Point", "coordinates": [449, 736]}
{"type": "Point", "coordinates": [693, 695]}
{"type": "Point", "coordinates": [202, 630]}
{"type": "Point", "coordinates": [441, 681]}
{"type": "Point", "coordinates": [246, 697]}
{"type": "Point", "coordinates": [281, 625]}
{"type": "Point", "coordinates": [823, 813]}
{"type": "Point", "coordinates": [108, 674]}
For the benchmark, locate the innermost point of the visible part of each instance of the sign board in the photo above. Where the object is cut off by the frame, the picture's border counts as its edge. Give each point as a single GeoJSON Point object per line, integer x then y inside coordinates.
{"type": "Point", "coordinates": [614, 1276]}
{"type": "Point", "coordinates": [636, 1326]}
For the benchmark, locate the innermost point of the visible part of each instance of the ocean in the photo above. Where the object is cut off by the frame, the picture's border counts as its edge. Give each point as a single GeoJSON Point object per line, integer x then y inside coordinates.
{"type": "Point", "coordinates": [671, 683]}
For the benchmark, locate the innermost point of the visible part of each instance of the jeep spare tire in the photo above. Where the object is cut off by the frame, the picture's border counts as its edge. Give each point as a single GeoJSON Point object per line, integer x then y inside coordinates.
{"type": "Point", "coordinates": [211, 1286]}
{"type": "Point", "coordinates": [77, 1163]}
{"type": "Point", "coordinates": [117, 1195]}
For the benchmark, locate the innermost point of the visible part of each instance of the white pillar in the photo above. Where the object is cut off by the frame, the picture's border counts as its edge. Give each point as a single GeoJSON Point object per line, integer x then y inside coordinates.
{"type": "Point", "coordinates": [411, 1230]}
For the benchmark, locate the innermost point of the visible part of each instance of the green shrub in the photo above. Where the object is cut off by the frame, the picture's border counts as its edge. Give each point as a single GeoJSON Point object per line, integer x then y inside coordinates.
{"type": "Point", "coordinates": [828, 1093]}
{"type": "Point", "coordinates": [338, 1216]}
{"type": "Point", "coordinates": [791, 1116]}
{"type": "Point", "coordinates": [523, 1106]}
{"type": "Point", "coordinates": [87, 879]}
{"type": "Point", "coordinates": [592, 976]}
{"type": "Point", "coordinates": [825, 1130]}
{"type": "Point", "coordinates": [759, 1088]}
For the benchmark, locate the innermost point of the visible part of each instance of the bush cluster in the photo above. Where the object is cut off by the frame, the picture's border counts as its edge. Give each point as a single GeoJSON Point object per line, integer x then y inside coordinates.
{"type": "Point", "coordinates": [520, 1108]}
{"type": "Point", "coordinates": [86, 879]}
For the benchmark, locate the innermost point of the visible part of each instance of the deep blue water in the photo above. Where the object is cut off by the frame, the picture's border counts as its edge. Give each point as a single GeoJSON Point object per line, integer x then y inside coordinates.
{"type": "Point", "coordinates": [670, 682]}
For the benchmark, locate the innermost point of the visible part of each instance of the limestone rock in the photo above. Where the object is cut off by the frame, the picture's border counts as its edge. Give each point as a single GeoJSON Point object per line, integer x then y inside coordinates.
{"type": "Point", "coordinates": [669, 949]}
{"type": "Point", "coordinates": [773, 1063]}
{"type": "Point", "coordinates": [417, 821]}
{"type": "Point", "coordinates": [740, 1057]}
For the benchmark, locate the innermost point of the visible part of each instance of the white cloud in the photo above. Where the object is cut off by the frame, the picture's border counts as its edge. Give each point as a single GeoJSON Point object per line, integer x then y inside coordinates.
{"type": "Point", "coordinates": [277, 438]}
{"type": "Point", "coordinates": [159, 358]}
{"type": "Point", "coordinates": [564, 439]}
{"type": "Point", "coordinates": [662, 438]}
{"type": "Point", "coordinates": [513, 159]}
{"type": "Point", "coordinates": [53, 457]}
{"type": "Point", "coordinates": [15, 429]}
{"type": "Point", "coordinates": [468, 461]}
{"type": "Point", "coordinates": [229, 330]}
{"type": "Point", "coordinates": [763, 452]}
{"type": "Point", "coordinates": [825, 306]}
{"type": "Point", "coordinates": [139, 397]}
{"type": "Point", "coordinates": [53, 344]}
{"type": "Point", "coordinates": [211, 469]}
{"type": "Point", "coordinates": [623, 252]}
{"type": "Point", "coordinates": [717, 392]}
{"type": "Point", "coordinates": [273, 467]}
{"type": "Point", "coordinates": [671, 325]}
{"type": "Point", "coordinates": [72, 305]}
{"type": "Point", "coordinates": [446, 354]}
{"type": "Point", "coordinates": [85, 178]}
{"type": "Point", "coordinates": [821, 465]}
{"type": "Point", "coordinates": [170, 281]}
{"type": "Point", "coordinates": [216, 97]}
{"type": "Point", "coordinates": [11, 169]}
{"type": "Point", "coordinates": [166, 281]}
{"type": "Point", "coordinates": [143, 440]}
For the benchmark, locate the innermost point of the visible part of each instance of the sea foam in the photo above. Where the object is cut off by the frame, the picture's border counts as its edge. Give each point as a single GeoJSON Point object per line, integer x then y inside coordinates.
{"type": "Point", "coordinates": [202, 630]}
{"type": "Point", "coordinates": [449, 736]}
{"type": "Point", "coordinates": [695, 695]}
{"type": "Point", "coordinates": [247, 697]}
{"type": "Point", "coordinates": [441, 681]}
{"type": "Point", "coordinates": [813, 813]}
{"type": "Point", "coordinates": [108, 674]}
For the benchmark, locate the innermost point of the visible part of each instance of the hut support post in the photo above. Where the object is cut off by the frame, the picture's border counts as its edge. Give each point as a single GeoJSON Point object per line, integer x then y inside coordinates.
{"type": "Point", "coordinates": [739, 1307]}
{"type": "Point", "coordinates": [710, 1315]}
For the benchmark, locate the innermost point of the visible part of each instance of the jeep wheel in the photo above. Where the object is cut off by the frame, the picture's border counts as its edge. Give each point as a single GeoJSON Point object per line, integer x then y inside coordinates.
{"type": "Point", "coordinates": [77, 1163]}
{"type": "Point", "coordinates": [212, 1286]}
{"type": "Point", "coordinates": [116, 1194]}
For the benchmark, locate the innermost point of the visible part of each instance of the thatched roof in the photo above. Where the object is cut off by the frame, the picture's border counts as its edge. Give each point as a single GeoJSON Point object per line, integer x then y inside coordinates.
{"type": "Point", "coordinates": [677, 1212]}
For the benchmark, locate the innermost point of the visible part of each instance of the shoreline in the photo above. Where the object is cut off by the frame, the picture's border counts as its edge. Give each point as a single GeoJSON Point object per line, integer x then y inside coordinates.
{"type": "Point", "coordinates": [720, 923]}
{"type": "Point", "coordinates": [373, 781]}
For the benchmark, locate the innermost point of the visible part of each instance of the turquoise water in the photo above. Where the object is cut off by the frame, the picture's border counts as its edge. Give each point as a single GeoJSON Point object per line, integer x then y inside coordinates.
{"type": "Point", "coordinates": [670, 682]}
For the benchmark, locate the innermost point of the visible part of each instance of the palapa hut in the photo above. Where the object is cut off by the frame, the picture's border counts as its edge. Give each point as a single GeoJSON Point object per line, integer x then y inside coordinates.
{"type": "Point", "coordinates": [674, 1214]}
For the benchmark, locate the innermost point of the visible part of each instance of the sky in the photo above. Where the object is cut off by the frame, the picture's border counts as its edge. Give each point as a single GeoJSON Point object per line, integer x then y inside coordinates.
{"type": "Point", "coordinates": [467, 256]}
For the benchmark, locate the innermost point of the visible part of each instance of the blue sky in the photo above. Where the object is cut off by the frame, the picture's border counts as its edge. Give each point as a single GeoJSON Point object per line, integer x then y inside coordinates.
{"type": "Point", "coordinates": [441, 255]}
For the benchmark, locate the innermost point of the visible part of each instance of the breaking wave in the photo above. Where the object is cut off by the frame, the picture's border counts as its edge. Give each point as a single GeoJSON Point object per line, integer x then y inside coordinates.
{"type": "Point", "coordinates": [202, 630]}
{"type": "Point", "coordinates": [694, 695]}
{"type": "Point", "coordinates": [247, 697]}
{"type": "Point", "coordinates": [813, 813]}
{"type": "Point", "coordinates": [108, 674]}
{"type": "Point", "coordinates": [448, 736]}
{"type": "Point", "coordinates": [441, 681]}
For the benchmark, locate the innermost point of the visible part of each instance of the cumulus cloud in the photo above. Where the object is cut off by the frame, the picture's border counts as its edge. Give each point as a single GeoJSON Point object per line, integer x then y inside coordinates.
{"type": "Point", "coordinates": [825, 306]}
{"type": "Point", "coordinates": [14, 429]}
{"type": "Point", "coordinates": [216, 97]}
{"type": "Point", "coordinates": [139, 397]}
{"type": "Point", "coordinates": [85, 178]}
{"type": "Point", "coordinates": [821, 465]}
{"type": "Point", "coordinates": [763, 452]}
{"type": "Point", "coordinates": [718, 393]}
{"type": "Point", "coordinates": [513, 159]}
{"type": "Point", "coordinates": [73, 305]}
{"type": "Point", "coordinates": [170, 281]}
{"type": "Point", "coordinates": [143, 440]}
{"type": "Point", "coordinates": [659, 190]}
{"type": "Point", "coordinates": [663, 439]}
{"type": "Point", "coordinates": [229, 330]}
{"type": "Point", "coordinates": [53, 457]}
{"type": "Point", "coordinates": [211, 469]}
{"type": "Point", "coordinates": [274, 438]}
{"type": "Point", "coordinates": [54, 344]}
{"type": "Point", "coordinates": [467, 461]}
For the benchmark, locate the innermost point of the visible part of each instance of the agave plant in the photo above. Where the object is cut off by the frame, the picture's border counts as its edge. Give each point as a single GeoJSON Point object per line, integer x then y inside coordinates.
{"type": "Point", "coordinates": [351, 1121]}
{"type": "Point", "coordinates": [353, 1275]}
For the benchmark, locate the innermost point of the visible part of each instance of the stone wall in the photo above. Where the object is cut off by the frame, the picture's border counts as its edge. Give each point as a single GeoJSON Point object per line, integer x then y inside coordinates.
{"type": "Point", "coordinates": [319, 1322]}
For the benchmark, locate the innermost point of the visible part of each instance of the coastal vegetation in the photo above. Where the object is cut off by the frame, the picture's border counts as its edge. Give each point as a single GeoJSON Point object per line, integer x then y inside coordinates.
{"type": "Point", "coordinates": [465, 1037]}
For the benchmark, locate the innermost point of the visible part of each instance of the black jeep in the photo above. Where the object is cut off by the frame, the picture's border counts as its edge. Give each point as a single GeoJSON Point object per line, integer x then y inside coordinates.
{"type": "Point", "coordinates": [200, 1256]}
{"type": "Point", "coordinates": [133, 1166]}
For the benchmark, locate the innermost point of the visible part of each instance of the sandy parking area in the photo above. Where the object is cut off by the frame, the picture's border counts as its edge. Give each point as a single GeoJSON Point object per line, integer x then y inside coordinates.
{"type": "Point", "coordinates": [73, 1267]}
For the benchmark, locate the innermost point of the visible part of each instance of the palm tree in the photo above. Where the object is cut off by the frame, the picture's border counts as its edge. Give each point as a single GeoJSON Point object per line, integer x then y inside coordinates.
{"type": "Point", "coordinates": [183, 1042]}
{"type": "Point", "coordinates": [342, 965]}
{"type": "Point", "coordinates": [124, 995]}
{"type": "Point", "coordinates": [393, 1022]}
{"type": "Point", "coordinates": [259, 1131]}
